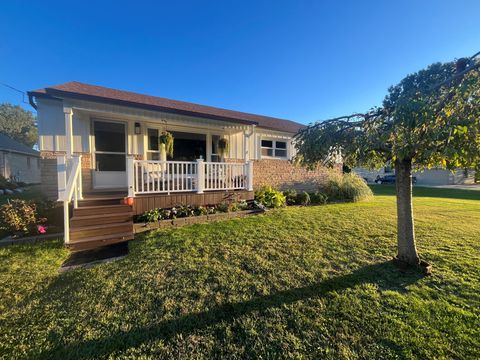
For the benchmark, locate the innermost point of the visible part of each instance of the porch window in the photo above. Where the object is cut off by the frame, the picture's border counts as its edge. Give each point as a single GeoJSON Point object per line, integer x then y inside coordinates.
{"type": "Point", "coordinates": [215, 153]}
{"type": "Point", "coordinates": [274, 148]}
{"type": "Point", "coordinates": [153, 150]}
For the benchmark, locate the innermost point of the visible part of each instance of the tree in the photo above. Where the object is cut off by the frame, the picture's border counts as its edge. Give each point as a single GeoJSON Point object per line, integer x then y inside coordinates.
{"type": "Point", "coordinates": [431, 118]}
{"type": "Point", "coordinates": [18, 124]}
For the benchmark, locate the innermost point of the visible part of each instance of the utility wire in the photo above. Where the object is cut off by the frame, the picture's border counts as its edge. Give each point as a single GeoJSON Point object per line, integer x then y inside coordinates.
{"type": "Point", "coordinates": [15, 89]}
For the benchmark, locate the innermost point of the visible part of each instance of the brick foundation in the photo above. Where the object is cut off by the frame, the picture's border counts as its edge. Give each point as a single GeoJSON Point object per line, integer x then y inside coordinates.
{"type": "Point", "coordinates": [284, 175]}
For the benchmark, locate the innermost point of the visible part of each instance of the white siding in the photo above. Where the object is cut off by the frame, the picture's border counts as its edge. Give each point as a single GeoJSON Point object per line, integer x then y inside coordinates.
{"type": "Point", "coordinates": [51, 121]}
{"type": "Point", "coordinates": [51, 127]}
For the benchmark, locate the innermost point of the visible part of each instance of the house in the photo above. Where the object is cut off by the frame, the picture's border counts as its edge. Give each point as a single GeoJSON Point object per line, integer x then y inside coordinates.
{"type": "Point", "coordinates": [99, 144]}
{"type": "Point", "coordinates": [19, 162]}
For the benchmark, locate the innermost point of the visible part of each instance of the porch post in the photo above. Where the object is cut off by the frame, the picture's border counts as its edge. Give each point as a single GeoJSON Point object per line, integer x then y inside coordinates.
{"type": "Point", "coordinates": [246, 138]}
{"type": "Point", "coordinates": [79, 179]}
{"type": "Point", "coordinates": [68, 131]}
{"type": "Point", "coordinates": [130, 176]}
{"type": "Point", "coordinates": [249, 172]}
{"type": "Point", "coordinates": [200, 176]}
{"type": "Point", "coordinates": [61, 176]}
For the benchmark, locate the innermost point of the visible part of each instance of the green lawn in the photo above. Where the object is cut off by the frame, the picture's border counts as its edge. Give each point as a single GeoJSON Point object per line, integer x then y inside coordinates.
{"type": "Point", "coordinates": [310, 282]}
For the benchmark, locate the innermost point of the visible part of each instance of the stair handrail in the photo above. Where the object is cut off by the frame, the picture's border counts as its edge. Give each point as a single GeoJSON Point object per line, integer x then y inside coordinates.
{"type": "Point", "coordinates": [69, 186]}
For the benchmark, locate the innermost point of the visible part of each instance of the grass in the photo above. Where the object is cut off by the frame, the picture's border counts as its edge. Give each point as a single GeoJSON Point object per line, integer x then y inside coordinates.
{"type": "Point", "coordinates": [311, 282]}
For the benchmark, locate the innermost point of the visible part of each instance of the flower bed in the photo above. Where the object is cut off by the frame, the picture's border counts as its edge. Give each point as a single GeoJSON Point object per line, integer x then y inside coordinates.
{"type": "Point", "coordinates": [168, 223]}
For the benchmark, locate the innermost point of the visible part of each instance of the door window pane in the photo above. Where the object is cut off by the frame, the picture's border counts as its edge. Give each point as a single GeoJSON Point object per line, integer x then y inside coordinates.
{"type": "Point", "coordinates": [109, 136]}
{"type": "Point", "coordinates": [153, 139]}
{"type": "Point", "coordinates": [110, 162]}
{"type": "Point", "coordinates": [280, 144]}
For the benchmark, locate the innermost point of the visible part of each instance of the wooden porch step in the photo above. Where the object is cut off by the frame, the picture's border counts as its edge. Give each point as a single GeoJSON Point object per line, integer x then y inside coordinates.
{"type": "Point", "coordinates": [82, 232]}
{"type": "Point", "coordinates": [100, 201]}
{"type": "Point", "coordinates": [98, 219]}
{"type": "Point", "coordinates": [93, 242]}
{"type": "Point", "coordinates": [101, 209]}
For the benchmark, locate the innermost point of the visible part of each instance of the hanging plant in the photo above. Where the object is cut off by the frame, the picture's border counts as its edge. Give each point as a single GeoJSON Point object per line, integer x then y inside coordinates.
{"type": "Point", "coordinates": [223, 146]}
{"type": "Point", "coordinates": [166, 138]}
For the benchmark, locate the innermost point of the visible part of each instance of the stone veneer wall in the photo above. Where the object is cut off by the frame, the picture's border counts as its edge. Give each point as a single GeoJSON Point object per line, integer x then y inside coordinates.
{"type": "Point", "coordinates": [284, 175]}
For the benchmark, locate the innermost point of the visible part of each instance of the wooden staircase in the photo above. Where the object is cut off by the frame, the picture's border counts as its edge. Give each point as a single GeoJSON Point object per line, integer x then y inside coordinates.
{"type": "Point", "coordinates": [100, 220]}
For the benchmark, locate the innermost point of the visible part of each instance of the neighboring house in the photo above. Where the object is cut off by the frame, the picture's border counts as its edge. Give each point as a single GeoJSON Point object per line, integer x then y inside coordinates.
{"type": "Point", "coordinates": [431, 177]}
{"type": "Point", "coordinates": [116, 133]}
{"type": "Point", "coordinates": [19, 162]}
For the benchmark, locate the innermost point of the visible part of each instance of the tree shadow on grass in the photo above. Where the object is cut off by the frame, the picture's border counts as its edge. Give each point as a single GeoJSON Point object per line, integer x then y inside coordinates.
{"type": "Point", "coordinates": [421, 191]}
{"type": "Point", "coordinates": [385, 275]}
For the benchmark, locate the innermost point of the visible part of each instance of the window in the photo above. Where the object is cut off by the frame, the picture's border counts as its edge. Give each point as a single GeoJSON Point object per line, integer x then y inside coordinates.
{"type": "Point", "coordinates": [274, 148]}
{"type": "Point", "coordinates": [215, 153]}
{"type": "Point", "coordinates": [153, 150]}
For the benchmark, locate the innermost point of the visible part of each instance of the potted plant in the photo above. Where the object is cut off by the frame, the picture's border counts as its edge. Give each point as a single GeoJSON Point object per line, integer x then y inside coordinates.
{"type": "Point", "coordinates": [223, 147]}
{"type": "Point", "coordinates": [166, 140]}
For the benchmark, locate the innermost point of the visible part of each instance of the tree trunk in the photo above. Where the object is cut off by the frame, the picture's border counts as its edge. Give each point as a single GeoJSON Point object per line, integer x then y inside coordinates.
{"type": "Point", "coordinates": [407, 250]}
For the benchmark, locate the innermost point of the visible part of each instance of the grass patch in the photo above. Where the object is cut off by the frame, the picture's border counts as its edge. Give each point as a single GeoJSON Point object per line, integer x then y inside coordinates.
{"type": "Point", "coordinates": [310, 282]}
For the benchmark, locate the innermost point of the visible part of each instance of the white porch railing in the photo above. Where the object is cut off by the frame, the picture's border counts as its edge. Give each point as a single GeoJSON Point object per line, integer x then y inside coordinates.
{"type": "Point", "coordinates": [69, 172]}
{"type": "Point", "coordinates": [149, 177]}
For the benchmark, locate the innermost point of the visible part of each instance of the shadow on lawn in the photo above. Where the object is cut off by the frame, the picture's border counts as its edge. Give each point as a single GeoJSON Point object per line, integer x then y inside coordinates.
{"type": "Point", "coordinates": [385, 275]}
{"type": "Point", "coordinates": [421, 191]}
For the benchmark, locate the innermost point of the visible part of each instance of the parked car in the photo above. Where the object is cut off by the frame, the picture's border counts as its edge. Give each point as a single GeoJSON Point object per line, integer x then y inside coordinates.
{"type": "Point", "coordinates": [390, 179]}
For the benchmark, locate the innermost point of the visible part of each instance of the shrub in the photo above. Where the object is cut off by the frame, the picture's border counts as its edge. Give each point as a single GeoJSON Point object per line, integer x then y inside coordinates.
{"type": "Point", "coordinates": [346, 187]}
{"type": "Point", "coordinates": [223, 207]}
{"type": "Point", "coordinates": [185, 211]}
{"type": "Point", "coordinates": [152, 215]}
{"type": "Point", "coordinates": [19, 216]}
{"type": "Point", "coordinates": [290, 196]}
{"type": "Point", "coordinates": [269, 197]}
{"type": "Point", "coordinates": [303, 198]}
{"type": "Point", "coordinates": [200, 210]}
{"type": "Point", "coordinates": [318, 198]}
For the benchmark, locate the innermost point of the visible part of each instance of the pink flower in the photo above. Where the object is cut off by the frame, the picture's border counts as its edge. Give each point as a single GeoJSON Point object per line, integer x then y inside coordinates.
{"type": "Point", "coordinates": [42, 229]}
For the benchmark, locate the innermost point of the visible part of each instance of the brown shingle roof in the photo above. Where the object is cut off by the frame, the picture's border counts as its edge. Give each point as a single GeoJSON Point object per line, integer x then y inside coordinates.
{"type": "Point", "coordinates": [98, 93]}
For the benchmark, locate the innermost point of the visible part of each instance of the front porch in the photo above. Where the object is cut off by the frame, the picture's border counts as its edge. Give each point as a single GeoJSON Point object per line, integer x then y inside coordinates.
{"type": "Point", "coordinates": [124, 156]}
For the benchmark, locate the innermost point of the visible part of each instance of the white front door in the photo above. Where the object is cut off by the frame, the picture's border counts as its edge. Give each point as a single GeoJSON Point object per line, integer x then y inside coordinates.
{"type": "Point", "coordinates": [110, 154]}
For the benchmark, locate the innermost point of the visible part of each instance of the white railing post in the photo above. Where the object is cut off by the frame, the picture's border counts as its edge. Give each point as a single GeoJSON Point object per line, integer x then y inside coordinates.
{"type": "Point", "coordinates": [66, 223]}
{"type": "Point", "coordinates": [61, 176]}
{"type": "Point", "coordinates": [249, 173]}
{"type": "Point", "coordinates": [200, 176]}
{"type": "Point", "coordinates": [80, 184]}
{"type": "Point", "coordinates": [130, 176]}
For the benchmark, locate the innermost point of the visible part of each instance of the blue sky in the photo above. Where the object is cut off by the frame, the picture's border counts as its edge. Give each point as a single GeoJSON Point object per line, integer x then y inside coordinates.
{"type": "Point", "coordinates": [300, 60]}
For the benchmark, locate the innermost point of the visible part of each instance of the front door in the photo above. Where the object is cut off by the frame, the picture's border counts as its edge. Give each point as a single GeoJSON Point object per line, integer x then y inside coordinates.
{"type": "Point", "coordinates": [110, 155]}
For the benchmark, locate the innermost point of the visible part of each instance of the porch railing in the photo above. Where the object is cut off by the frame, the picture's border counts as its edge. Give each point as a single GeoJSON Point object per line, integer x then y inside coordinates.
{"type": "Point", "coordinates": [149, 177]}
{"type": "Point", "coordinates": [69, 172]}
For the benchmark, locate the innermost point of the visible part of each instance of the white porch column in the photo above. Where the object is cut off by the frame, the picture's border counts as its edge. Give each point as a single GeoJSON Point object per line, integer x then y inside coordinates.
{"type": "Point", "coordinates": [246, 152]}
{"type": "Point", "coordinates": [200, 176]}
{"type": "Point", "coordinates": [68, 131]}
{"type": "Point", "coordinates": [130, 176]}
{"type": "Point", "coordinates": [249, 172]}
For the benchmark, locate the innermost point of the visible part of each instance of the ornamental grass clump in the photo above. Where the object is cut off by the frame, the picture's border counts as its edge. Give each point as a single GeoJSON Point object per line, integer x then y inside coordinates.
{"type": "Point", "coordinates": [349, 187]}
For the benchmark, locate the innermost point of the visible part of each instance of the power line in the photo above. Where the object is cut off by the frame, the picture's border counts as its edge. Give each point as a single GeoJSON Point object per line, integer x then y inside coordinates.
{"type": "Point", "coordinates": [17, 90]}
